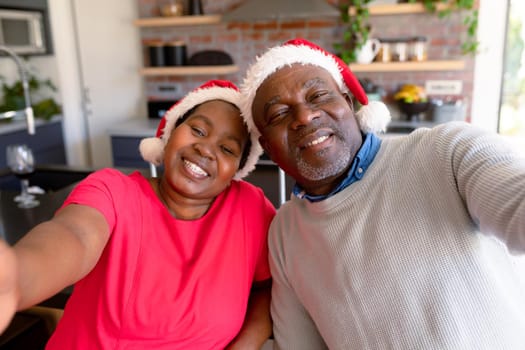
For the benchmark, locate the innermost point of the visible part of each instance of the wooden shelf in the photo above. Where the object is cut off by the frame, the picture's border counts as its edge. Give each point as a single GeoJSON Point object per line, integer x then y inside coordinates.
{"type": "Point", "coordinates": [177, 21]}
{"type": "Point", "coordinates": [189, 70]}
{"type": "Point", "coordinates": [398, 9]}
{"type": "Point", "coordinates": [409, 66]}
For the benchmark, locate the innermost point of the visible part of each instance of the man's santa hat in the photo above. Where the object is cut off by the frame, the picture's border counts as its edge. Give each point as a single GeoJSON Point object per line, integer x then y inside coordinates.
{"type": "Point", "coordinates": [373, 116]}
{"type": "Point", "coordinates": [152, 148]}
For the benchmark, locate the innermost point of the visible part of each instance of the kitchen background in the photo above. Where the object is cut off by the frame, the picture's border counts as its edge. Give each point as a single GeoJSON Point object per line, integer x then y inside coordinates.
{"type": "Point", "coordinates": [100, 52]}
{"type": "Point", "coordinates": [244, 40]}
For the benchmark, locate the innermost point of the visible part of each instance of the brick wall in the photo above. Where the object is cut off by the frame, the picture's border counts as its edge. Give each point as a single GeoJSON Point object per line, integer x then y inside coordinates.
{"type": "Point", "coordinates": [243, 41]}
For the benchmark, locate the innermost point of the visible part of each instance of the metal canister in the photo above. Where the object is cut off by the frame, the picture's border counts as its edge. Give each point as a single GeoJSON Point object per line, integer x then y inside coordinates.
{"type": "Point", "coordinates": [175, 53]}
{"type": "Point", "coordinates": [156, 53]}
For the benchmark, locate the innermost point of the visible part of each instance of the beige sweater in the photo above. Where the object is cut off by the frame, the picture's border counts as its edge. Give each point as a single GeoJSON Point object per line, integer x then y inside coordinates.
{"type": "Point", "coordinates": [398, 260]}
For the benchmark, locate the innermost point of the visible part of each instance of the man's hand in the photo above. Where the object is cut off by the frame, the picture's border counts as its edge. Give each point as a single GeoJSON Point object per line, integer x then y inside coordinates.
{"type": "Point", "coordinates": [8, 277]}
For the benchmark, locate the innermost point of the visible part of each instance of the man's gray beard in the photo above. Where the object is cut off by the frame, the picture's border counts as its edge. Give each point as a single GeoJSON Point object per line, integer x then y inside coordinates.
{"type": "Point", "coordinates": [312, 173]}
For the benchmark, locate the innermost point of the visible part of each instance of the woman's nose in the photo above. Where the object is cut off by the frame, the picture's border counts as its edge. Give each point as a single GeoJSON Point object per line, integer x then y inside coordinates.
{"type": "Point", "coordinates": [205, 150]}
{"type": "Point", "coordinates": [303, 115]}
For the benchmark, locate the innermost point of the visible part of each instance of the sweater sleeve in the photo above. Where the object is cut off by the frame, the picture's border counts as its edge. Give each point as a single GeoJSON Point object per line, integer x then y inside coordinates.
{"type": "Point", "coordinates": [490, 178]}
{"type": "Point", "coordinates": [293, 328]}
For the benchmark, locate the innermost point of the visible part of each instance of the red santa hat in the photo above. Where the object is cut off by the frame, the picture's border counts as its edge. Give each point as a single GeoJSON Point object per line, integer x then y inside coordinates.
{"type": "Point", "coordinates": [373, 116]}
{"type": "Point", "coordinates": [152, 148]}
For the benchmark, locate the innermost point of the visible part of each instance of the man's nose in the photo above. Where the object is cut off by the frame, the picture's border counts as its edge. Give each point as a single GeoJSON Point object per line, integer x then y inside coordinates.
{"type": "Point", "coordinates": [303, 115]}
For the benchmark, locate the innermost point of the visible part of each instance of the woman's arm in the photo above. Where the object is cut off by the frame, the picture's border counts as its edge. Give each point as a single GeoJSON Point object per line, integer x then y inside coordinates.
{"type": "Point", "coordinates": [257, 326]}
{"type": "Point", "coordinates": [50, 257]}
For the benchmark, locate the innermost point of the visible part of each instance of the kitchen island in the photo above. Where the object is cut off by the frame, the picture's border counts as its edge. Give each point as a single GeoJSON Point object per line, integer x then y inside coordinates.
{"type": "Point", "coordinates": [57, 181]}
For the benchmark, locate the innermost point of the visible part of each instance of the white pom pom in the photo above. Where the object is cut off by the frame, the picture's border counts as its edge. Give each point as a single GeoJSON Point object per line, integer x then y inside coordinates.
{"type": "Point", "coordinates": [374, 117]}
{"type": "Point", "coordinates": [152, 150]}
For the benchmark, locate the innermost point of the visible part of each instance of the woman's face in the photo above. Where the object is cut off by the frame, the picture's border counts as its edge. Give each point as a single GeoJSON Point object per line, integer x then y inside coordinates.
{"type": "Point", "coordinates": [203, 153]}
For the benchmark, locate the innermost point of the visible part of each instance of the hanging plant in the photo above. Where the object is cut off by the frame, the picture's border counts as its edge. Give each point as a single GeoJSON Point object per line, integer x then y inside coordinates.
{"type": "Point", "coordinates": [470, 20]}
{"type": "Point", "coordinates": [356, 29]}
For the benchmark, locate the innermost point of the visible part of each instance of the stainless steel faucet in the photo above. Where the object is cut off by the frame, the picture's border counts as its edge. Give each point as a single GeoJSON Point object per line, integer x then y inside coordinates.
{"type": "Point", "coordinates": [28, 111]}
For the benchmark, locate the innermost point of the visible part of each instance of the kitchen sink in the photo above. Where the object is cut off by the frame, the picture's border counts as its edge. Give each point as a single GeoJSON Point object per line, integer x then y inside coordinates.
{"type": "Point", "coordinates": [49, 178]}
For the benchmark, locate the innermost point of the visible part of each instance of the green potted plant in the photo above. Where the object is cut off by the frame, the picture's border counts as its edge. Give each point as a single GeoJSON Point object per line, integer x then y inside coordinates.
{"type": "Point", "coordinates": [44, 106]}
{"type": "Point", "coordinates": [470, 19]}
{"type": "Point", "coordinates": [356, 29]}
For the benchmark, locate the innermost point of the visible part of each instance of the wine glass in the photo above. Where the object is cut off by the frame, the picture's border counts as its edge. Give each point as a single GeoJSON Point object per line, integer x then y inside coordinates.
{"type": "Point", "coordinates": [21, 162]}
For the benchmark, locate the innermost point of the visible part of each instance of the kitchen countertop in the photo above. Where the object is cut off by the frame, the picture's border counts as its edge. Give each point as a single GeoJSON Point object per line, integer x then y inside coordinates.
{"type": "Point", "coordinates": [135, 128]}
{"type": "Point", "coordinates": [9, 126]}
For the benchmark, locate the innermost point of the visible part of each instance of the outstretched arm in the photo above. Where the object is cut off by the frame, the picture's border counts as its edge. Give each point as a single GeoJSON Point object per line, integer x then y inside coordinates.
{"type": "Point", "coordinates": [257, 326]}
{"type": "Point", "coordinates": [50, 257]}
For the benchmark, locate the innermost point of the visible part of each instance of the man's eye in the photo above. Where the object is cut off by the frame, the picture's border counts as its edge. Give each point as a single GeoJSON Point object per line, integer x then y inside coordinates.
{"type": "Point", "coordinates": [318, 96]}
{"type": "Point", "coordinates": [277, 116]}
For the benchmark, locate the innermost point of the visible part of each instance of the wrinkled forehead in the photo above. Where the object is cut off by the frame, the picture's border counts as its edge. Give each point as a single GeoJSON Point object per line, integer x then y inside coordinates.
{"type": "Point", "coordinates": [294, 78]}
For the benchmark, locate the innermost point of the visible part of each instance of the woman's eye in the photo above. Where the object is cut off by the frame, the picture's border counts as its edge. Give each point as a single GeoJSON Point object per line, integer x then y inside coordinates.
{"type": "Point", "coordinates": [228, 150]}
{"type": "Point", "coordinates": [197, 131]}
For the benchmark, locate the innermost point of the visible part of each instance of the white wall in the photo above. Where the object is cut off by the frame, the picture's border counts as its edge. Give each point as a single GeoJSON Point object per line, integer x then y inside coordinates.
{"type": "Point", "coordinates": [68, 80]}
{"type": "Point", "coordinates": [109, 48]}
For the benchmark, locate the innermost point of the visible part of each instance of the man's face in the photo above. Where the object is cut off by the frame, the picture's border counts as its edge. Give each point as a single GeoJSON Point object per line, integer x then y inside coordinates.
{"type": "Point", "coordinates": [308, 126]}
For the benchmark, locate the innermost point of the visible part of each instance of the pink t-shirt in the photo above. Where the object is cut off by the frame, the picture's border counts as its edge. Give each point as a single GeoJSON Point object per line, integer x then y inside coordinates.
{"type": "Point", "coordinates": [163, 283]}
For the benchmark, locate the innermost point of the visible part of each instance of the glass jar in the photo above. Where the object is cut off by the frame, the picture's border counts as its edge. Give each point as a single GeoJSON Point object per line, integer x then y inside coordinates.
{"type": "Point", "coordinates": [385, 50]}
{"type": "Point", "coordinates": [418, 49]}
{"type": "Point", "coordinates": [170, 8]}
{"type": "Point", "coordinates": [400, 50]}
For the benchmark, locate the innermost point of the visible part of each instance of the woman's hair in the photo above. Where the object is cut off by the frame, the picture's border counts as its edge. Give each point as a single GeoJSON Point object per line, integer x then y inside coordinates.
{"type": "Point", "coordinates": [247, 146]}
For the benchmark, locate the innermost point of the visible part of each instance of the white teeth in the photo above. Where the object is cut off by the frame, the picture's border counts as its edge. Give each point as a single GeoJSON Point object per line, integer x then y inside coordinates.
{"type": "Point", "coordinates": [317, 141]}
{"type": "Point", "coordinates": [195, 168]}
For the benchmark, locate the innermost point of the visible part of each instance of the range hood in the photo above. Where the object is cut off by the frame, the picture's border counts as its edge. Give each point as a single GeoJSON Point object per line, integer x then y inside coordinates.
{"type": "Point", "coordinates": [251, 10]}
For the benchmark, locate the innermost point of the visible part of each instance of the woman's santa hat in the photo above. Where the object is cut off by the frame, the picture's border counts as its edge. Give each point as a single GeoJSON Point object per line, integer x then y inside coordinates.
{"type": "Point", "coordinates": [152, 148]}
{"type": "Point", "coordinates": [373, 116]}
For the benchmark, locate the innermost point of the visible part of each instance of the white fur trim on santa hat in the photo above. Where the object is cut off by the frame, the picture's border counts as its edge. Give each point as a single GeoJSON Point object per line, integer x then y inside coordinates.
{"type": "Point", "coordinates": [374, 117]}
{"type": "Point", "coordinates": [152, 149]}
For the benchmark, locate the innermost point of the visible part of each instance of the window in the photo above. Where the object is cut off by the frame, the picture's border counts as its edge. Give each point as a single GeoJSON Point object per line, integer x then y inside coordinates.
{"type": "Point", "coordinates": [512, 109]}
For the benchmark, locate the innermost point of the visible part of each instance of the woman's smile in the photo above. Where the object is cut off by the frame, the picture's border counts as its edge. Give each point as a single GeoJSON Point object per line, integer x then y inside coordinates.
{"type": "Point", "coordinates": [194, 169]}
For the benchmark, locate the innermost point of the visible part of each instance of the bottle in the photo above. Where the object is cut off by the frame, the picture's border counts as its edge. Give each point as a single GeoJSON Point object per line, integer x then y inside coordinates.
{"type": "Point", "coordinates": [195, 7]}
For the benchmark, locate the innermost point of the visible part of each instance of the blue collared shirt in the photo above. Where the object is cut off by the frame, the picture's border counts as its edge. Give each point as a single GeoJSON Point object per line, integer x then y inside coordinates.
{"type": "Point", "coordinates": [360, 164]}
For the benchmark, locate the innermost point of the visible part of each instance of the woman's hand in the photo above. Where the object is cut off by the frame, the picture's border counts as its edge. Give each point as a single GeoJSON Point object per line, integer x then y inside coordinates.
{"type": "Point", "coordinates": [8, 285]}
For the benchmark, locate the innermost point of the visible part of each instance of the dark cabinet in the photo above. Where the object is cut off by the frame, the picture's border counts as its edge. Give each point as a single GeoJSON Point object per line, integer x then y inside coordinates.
{"type": "Point", "coordinates": [47, 143]}
{"type": "Point", "coordinates": [125, 152]}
